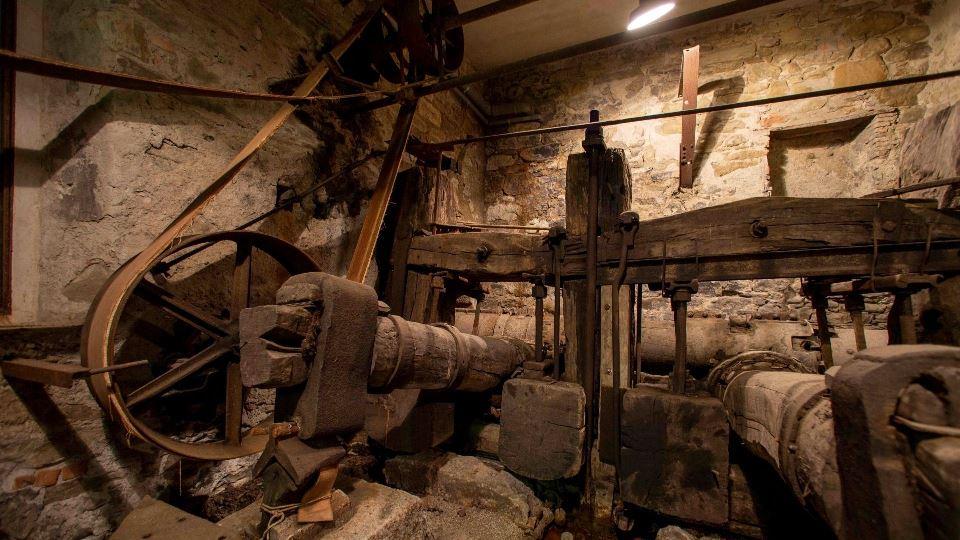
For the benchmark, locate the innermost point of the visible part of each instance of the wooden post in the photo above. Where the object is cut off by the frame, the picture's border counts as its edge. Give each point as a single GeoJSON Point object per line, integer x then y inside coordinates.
{"type": "Point", "coordinates": [381, 195]}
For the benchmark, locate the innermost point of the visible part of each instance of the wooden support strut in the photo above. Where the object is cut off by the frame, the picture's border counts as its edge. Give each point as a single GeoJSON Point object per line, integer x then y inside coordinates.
{"type": "Point", "coordinates": [373, 219]}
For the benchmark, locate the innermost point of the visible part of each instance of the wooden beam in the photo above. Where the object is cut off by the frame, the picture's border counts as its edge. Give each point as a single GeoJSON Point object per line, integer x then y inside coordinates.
{"type": "Point", "coordinates": [760, 238]}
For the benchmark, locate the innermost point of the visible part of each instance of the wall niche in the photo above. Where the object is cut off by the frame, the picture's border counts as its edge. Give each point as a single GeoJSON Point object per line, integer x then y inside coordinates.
{"type": "Point", "coordinates": [846, 157]}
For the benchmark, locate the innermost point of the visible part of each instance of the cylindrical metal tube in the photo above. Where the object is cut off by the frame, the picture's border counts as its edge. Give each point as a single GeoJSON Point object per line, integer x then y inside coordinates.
{"type": "Point", "coordinates": [439, 357]}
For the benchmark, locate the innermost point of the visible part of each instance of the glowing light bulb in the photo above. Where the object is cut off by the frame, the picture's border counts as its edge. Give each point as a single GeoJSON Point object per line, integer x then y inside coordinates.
{"type": "Point", "coordinates": [647, 12]}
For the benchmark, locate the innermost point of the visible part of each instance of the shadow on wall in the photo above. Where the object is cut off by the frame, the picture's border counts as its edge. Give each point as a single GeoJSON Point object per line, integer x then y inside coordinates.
{"type": "Point", "coordinates": [60, 433]}
{"type": "Point", "coordinates": [724, 91]}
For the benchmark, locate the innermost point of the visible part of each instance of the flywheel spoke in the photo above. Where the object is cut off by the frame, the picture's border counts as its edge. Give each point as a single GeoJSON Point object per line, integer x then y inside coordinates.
{"type": "Point", "coordinates": [181, 309]}
{"type": "Point", "coordinates": [234, 405]}
{"type": "Point", "coordinates": [188, 367]}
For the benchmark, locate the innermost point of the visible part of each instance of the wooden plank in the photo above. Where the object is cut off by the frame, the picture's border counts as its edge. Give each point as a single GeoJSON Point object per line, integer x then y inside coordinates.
{"type": "Point", "coordinates": [43, 372]}
{"type": "Point", "coordinates": [491, 255]}
{"type": "Point", "coordinates": [793, 237]}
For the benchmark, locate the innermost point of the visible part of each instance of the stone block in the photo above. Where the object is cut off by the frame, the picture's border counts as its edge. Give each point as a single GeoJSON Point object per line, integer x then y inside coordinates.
{"type": "Point", "coordinates": [675, 454]}
{"type": "Point", "coordinates": [399, 422]}
{"type": "Point", "coordinates": [542, 428]}
{"type": "Point", "coordinates": [263, 366]}
{"type": "Point", "coordinates": [415, 473]}
{"type": "Point", "coordinates": [286, 325]}
{"type": "Point", "coordinates": [473, 482]}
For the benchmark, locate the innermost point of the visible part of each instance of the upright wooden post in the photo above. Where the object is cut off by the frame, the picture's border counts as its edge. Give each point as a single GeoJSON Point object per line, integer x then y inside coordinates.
{"type": "Point", "coordinates": [381, 195]}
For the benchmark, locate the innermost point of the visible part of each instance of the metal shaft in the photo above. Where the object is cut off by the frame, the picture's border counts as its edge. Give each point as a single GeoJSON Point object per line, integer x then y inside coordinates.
{"type": "Point", "coordinates": [823, 330]}
{"type": "Point", "coordinates": [593, 144]}
{"type": "Point", "coordinates": [483, 12]}
{"type": "Point", "coordinates": [678, 379]}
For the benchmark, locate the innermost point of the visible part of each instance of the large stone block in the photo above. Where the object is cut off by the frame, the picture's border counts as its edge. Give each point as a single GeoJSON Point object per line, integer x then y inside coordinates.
{"type": "Point", "coordinates": [542, 428]}
{"type": "Point", "coordinates": [675, 454]}
{"type": "Point", "coordinates": [400, 422]}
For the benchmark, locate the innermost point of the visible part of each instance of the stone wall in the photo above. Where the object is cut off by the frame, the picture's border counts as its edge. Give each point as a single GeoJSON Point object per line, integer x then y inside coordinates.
{"type": "Point", "coordinates": [101, 171]}
{"type": "Point", "coordinates": [782, 49]}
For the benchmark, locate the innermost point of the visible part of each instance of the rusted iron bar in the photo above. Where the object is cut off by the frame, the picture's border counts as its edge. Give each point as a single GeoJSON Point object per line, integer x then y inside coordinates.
{"type": "Point", "coordinates": [680, 296]}
{"type": "Point", "coordinates": [53, 373]}
{"type": "Point", "coordinates": [689, 85]}
{"type": "Point", "coordinates": [595, 146]}
{"type": "Point", "coordinates": [482, 12]}
{"type": "Point", "coordinates": [712, 108]}
{"type": "Point", "coordinates": [668, 25]}
{"type": "Point", "coordinates": [8, 39]}
{"type": "Point", "coordinates": [373, 219]}
{"type": "Point", "coordinates": [46, 67]}
{"type": "Point", "coordinates": [910, 189]}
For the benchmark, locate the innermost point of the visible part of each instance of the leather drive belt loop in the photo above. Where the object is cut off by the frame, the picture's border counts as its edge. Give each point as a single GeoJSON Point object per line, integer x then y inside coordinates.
{"type": "Point", "coordinates": [463, 355]}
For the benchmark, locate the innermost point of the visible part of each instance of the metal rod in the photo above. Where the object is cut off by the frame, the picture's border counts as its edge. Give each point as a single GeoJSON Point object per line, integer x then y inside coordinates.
{"type": "Point", "coordinates": [482, 12]}
{"type": "Point", "coordinates": [558, 366]}
{"type": "Point", "coordinates": [373, 219]}
{"type": "Point", "coordinates": [910, 189]}
{"type": "Point", "coordinates": [668, 25]}
{"type": "Point", "coordinates": [590, 367]}
{"type": "Point", "coordinates": [679, 375]}
{"type": "Point", "coordinates": [117, 367]}
{"type": "Point", "coordinates": [823, 330]}
{"type": "Point", "coordinates": [491, 226]}
{"type": "Point", "coordinates": [636, 360]}
{"type": "Point", "coordinates": [538, 317]}
{"type": "Point", "coordinates": [712, 108]}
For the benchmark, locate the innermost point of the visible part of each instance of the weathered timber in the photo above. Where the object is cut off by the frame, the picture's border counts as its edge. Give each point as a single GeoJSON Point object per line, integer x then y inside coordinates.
{"type": "Point", "coordinates": [482, 255]}
{"type": "Point", "coordinates": [675, 454]}
{"type": "Point", "coordinates": [414, 355]}
{"type": "Point", "coordinates": [413, 216]}
{"type": "Point", "coordinates": [759, 238]}
{"type": "Point", "coordinates": [786, 418]}
{"type": "Point", "coordinates": [878, 497]}
{"type": "Point", "coordinates": [542, 428]}
{"type": "Point", "coordinates": [399, 421]}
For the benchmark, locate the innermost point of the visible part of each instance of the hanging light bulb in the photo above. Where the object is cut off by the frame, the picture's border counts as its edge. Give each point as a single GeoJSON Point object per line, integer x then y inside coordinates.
{"type": "Point", "coordinates": [647, 12]}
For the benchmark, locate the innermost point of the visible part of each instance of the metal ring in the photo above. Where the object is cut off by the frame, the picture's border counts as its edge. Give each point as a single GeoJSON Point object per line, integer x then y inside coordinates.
{"type": "Point", "coordinates": [401, 325]}
{"type": "Point", "coordinates": [463, 355]}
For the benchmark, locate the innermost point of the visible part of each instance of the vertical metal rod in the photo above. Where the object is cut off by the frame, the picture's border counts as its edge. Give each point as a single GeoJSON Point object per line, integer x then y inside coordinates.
{"type": "Point", "coordinates": [679, 376]}
{"type": "Point", "coordinates": [908, 325]}
{"type": "Point", "coordinates": [558, 366]}
{"type": "Point", "coordinates": [637, 359]}
{"type": "Point", "coordinates": [538, 316]}
{"type": "Point", "coordinates": [593, 144]}
{"type": "Point", "coordinates": [8, 40]}
{"type": "Point", "coordinates": [823, 330]}
{"type": "Point", "coordinates": [373, 219]}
